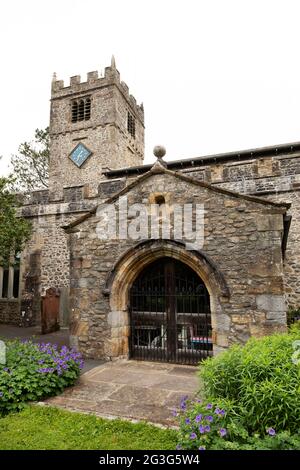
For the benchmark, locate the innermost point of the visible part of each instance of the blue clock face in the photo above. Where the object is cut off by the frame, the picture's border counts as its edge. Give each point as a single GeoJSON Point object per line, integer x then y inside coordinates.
{"type": "Point", "coordinates": [80, 154]}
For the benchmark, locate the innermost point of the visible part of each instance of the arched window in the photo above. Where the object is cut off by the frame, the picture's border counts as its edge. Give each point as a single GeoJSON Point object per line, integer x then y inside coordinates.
{"type": "Point", "coordinates": [74, 111]}
{"type": "Point", "coordinates": [87, 109]}
{"type": "Point", "coordinates": [10, 279]}
{"type": "Point", "coordinates": [81, 110]}
{"type": "Point", "coordinates": [160, 199]}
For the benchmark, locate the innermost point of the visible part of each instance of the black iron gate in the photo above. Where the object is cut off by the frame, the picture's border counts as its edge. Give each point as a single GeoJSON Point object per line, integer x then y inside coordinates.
{"type": "Point", "coordinates": [170, 314]}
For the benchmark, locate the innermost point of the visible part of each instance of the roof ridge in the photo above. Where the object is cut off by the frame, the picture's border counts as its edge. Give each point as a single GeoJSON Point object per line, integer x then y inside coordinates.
{"type": "Point", "coordinates": [159, 169]}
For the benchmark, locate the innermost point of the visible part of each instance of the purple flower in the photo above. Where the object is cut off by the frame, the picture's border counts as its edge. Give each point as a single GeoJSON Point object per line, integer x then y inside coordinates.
{"type": "Point", "coordinates": [174, 413]}
{"type": "Point", "coordinates": [222, 412]}
{"type": "Point", "coordinates": [6, 369]}
{"type": "Point", "coordinates": [183, 405]}
{"type": "Point", "coordinates": [1, 394]}
{"type": "Point", "coordinates": [222, 432]}
{"type": "Point", "coordinates": [209, 418]}
{"type": "Point", "coordinates": [198, 400]}
{"type": "Point", "coordinates": [187, 421]}
{"type": "Point", "coordinates": [209, 406]}
{"type": "Point", "coordinates": [178, 447]}
{"type": "Point", "coordinates": [45, 370]}
{"type": "Point", "coordinates": [201, 448]}
{"type": "Point", "coordinates": [207, 428]}
{"type": "Point", "coordinates": [271, 431]}
{"type": "Point", "coordinates": [198, 418]}
{"type": "Point", "coordinates": [193, 435]}
{"type": "Point", "coordinates": [201, 429]}
{"type": "Point", "coordinates": [217, 411]}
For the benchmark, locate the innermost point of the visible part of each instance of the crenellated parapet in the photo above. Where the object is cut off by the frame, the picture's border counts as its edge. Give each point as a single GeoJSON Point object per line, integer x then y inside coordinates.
{"type": "Point", "coordinates": [78, 88]}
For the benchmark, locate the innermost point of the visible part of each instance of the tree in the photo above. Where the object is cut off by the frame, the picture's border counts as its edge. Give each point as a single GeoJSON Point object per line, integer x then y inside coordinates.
{"type": "Point", "coordinates": [14, 230]}
{"type": "Point", "coordinates": [31, 165]}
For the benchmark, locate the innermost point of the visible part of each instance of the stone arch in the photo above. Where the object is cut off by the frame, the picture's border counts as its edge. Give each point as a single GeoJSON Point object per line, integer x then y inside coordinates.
{"type": "Point", "coordinates": [133, 262]}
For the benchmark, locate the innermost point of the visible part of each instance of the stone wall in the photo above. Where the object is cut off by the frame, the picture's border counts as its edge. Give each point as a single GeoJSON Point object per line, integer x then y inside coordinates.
{"type": "Point", "coordinates": [242, 240]}
{"type": "Point", "coordinates": [275, 176]}
{"type": "Point", "coordinates": [10, 312]}
{"type": "Point", "coordinates": [45, 260]}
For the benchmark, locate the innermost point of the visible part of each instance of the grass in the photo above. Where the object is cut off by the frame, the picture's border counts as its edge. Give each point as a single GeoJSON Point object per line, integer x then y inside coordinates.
{"type": "Point", "coordinates": [48, 428]}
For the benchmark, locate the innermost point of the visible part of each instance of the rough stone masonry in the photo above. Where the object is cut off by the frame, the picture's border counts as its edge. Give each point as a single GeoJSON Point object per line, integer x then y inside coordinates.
{"type": "Point", "coordinates": [250, 258]}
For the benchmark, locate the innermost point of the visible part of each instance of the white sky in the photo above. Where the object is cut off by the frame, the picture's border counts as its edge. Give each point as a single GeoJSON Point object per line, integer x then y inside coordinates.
{"type": "Point", "coordinates": [214, 75]}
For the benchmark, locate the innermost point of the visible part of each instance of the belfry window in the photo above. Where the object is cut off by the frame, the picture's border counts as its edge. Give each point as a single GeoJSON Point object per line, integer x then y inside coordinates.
{"type": "Point", "coordinates": [74, 111]}
{"type": "Point", "coordinates": [80, 114]}
{"type": "Point", "coordinates": [87, 110]}
{"type": "Point", "coordinates": [131, 124]}
{"type": "Point", "coordinates": [81, 109]}
{"type": "Point", "coordinates": [10, 280]}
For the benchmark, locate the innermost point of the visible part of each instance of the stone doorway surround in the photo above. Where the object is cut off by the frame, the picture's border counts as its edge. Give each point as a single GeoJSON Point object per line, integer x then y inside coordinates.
{"type": "Point", "coordinates": [132, 263]}
{"type": "Point", "coordinates": [133, 390]}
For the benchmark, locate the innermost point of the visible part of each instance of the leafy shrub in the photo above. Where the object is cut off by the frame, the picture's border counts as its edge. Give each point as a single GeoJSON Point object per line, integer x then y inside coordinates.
{"type": "Point", "coordinates": [205, 424]}
{"type": "Point", "coordinates": [261, 379]}
{"type": "Point", "coordinates": [295, 327]}
{"type": "Point", "coordinates": [34, 371]}
{"type": "Point", "coordinates": [216, 425]}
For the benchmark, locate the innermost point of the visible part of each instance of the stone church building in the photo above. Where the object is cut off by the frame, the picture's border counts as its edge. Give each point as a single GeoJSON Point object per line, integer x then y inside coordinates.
{"type": "Point", "coordinates": [153, 297]}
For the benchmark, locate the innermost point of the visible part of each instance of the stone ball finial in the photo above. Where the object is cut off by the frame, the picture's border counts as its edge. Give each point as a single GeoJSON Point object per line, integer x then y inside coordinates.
{"type": "Point", "coordinates": [159, 151]}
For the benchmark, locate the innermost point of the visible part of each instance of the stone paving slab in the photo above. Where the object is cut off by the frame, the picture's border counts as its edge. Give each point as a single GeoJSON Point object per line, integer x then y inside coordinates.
{"type": "Point", "coordinates": [61, 337]}
{"type": "Point", "coordinates": [132, 390]}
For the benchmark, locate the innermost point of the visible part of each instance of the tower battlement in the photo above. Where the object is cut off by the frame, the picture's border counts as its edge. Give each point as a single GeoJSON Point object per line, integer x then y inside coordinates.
{"type": "Point", "coordinates": [94, 125]}
{"type": "Point", "coordinates": [111, 76]}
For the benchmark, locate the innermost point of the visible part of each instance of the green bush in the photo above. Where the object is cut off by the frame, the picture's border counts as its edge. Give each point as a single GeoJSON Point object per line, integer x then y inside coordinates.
{"type": "Point", "coordinates": [34, 371]}
{"type": "Point", "coordinates": [217, 425]}
{"type": "Point", "coordinates": [262, 381]}
{"type": "Point", "coordinates": [206, 424]}
{"type": "Point", "coordinates": [295, 327]}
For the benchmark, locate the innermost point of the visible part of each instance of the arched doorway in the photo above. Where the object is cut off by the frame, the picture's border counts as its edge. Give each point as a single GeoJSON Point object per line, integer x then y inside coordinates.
{"type": "Point", "coordinates": [170, 318]}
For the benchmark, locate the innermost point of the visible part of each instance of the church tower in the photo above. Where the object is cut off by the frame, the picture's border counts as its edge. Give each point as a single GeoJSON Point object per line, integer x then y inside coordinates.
{"type": "Point", "coordinates": [94, 125]}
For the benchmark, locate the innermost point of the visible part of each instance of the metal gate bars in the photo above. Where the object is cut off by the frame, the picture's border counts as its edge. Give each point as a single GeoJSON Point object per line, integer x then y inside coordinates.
{"type": "Point", "coordinates": [170, 314]}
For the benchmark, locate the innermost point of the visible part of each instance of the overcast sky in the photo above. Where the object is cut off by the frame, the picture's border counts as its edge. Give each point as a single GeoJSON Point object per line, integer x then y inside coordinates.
{"type": "Point", "coordinates": [214, 75]}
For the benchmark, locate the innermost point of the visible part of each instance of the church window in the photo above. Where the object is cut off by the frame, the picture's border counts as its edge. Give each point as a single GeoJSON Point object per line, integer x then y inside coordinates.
{"type": "Point", "coordinates": [4, 286]}
{"type": "Point", "coordinates": [81, 110]}
{"type": "Point", "coordinates": [131, 124]}
{"type": "Point", "coordinates": [160, 200]}
{"type": "Point", "coordinates": [16, 277]}
{"type": "Point", "coordinates": [10, 280]}
{"type": "Point", "coordinates": [87, 110]}
{"type": "Point", "coordinates": [74, 111]}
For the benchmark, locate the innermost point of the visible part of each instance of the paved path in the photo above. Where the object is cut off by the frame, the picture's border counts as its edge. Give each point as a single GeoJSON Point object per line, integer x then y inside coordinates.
{"type": "Point", "coordinates": [131, 389]}
{"type": "Point", "coordinates": [134, 390]}
{"type": "Point", "coordinates": [61, 338]}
